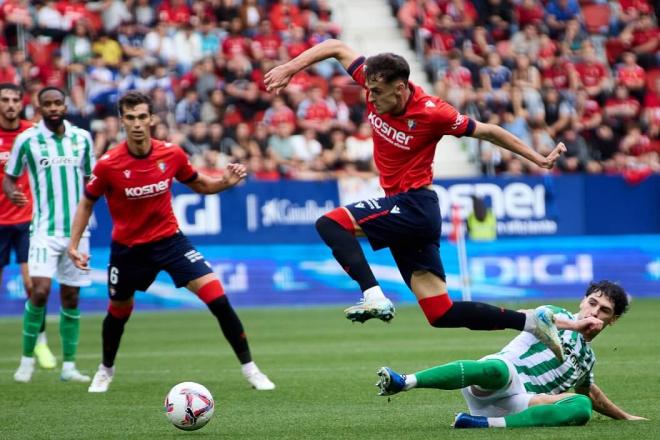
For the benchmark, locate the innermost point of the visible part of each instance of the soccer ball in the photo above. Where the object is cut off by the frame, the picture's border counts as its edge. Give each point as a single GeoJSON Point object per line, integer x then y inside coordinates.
{"type": "Point", "coordinates": [189, 406]}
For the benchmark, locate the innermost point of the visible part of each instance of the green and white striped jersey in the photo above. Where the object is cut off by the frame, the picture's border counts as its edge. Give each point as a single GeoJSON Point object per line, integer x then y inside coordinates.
{"type": "Point", "coordinates": [539, 369]}
{"type": "Point", "coordinates": [56, 167]}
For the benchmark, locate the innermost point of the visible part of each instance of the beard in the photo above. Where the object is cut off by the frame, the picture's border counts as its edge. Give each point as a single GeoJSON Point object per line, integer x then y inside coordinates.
{"type": "Point", "coordinates": [54, 122]}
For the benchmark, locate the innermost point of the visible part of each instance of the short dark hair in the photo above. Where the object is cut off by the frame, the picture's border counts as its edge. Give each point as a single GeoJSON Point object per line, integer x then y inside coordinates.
{"type": "Point", "coordinates": [387, 66]}
{"type": "Point", "coordinates": [614, 292]}
{"type": "Point", "coordinates": [13, 87]}
{"type": "Point", "coordinates": [132, 99]}
{"type": "Point", "coordinates": [48, 89]}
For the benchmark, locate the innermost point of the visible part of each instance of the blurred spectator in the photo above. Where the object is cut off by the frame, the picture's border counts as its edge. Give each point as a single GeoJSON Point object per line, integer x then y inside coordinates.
{"type": "Point", "coordinates": [559, 113]}
{"type": "Point", "coordinates": [113, 14]}
{"type": "Point", "coordinates": [558, 13]}
{"type": "Point", "coordinates": [109, 49]}
{"type": "Point", "coordinates": [456, 86]}
{"type": "Point", "coordinates": [77, 47]}
{"type": "Point", "coordinates": [592, 74]}
{"type": "Point", "coordinates": [621, 109]}
{"type": "Point", "coordinates": [188, 110]}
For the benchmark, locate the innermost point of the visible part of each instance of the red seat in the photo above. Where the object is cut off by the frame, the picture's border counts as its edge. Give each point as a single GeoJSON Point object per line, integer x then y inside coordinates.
{"type": "Point", "coordinates": [596, 18]}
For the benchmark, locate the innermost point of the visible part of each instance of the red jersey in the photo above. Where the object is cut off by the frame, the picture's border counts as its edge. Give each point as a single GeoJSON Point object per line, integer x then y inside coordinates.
{"type": "Point", "coordinates": [11, 214]}
{"type": "Point", "coordinates": [590, 73]}
{"type": "Point", "coordinates": [138, 190]}
{"type": "Point", "coordinates": [628, 75]}
{"type": "Point", "coordinates": [404, 145]}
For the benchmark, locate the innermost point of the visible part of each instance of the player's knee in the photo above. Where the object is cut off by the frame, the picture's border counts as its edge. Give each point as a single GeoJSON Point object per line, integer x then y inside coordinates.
{"type": "Point", "coordinates": [333, 220]}
{"type": "Point", "coordinates": [496, 371]}
{"type": "Point", "coordinates": [582, 409]}
{"type": "Point", "coordinates": [120, 310]}
{"type": "Point", "coordinates": [39, 297]}
{"type": "Point", "coordinates": [210, 291]}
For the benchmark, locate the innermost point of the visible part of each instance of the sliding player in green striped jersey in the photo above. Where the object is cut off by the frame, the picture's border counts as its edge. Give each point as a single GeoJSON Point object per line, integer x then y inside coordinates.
{"type": "Point", "coordinates": [59, 160]}
{"type": "Point", "coordinates": [524, 384]}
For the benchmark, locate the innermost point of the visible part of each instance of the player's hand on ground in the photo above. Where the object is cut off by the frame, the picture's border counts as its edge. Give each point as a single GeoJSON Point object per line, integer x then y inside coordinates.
{"type": "Point", "coordinates": [80, 260]}
{"type": "Point", "coordinates": [235, 173]}
{"type": "Point", "coordinates": [18, 197]}
{"type": "Point", "coordinates": [551, 158]}
{"type": "Point", "coordinates": [277, 79]}
{"type": "Point", "coordinates": [631, 417]}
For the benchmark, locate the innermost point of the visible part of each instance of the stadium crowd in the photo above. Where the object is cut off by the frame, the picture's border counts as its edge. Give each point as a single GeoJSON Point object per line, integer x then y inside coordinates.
{"type": "Point", "coordinates": [540, 70]}
{"type": "Point", "coordinates": [583, 72]}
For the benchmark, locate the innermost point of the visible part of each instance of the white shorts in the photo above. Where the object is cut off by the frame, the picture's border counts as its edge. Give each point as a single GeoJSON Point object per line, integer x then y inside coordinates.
{"type": "Point", "coordinates": [511, 399]}
{"type": "Point", "coordinates": [48, 258]}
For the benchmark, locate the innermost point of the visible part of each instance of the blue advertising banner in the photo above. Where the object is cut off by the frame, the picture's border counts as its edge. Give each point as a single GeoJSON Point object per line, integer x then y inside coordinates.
{"type": "Point", "coordinates": [297, 275]}
{"type": "Point", "coordinates": [256, 212]}
{"type": "Point", "coordinates": [285, 212]}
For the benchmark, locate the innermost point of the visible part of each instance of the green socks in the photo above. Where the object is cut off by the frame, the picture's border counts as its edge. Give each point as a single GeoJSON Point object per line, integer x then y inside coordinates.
{"type": "Point", "coordinates": [571, 411]}
{"type": "Point", "coordinates": [33, 317]}
{"type": "Point", "coordinates": [69, 331]}
{"type": "Point", "coordinates": [490, 374]}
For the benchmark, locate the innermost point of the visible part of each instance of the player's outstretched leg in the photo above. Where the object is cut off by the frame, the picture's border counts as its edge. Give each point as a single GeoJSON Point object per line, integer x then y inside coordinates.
{"type": "Point", "coordinates": [571, 411]}
{"type": "Point", "coordinates": [489, 374]}
{"type": "Point", "coordinates": [213, 296]}
{"type": "Point", "coordinates": [442, 312]}
{"type": "Point", "coordinates": [336, 230]}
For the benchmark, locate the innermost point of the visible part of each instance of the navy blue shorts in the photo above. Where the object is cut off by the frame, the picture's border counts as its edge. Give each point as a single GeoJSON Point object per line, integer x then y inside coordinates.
{"type": "Point", "coordinates": [134, 268]}
{"type": "Point", "coordinates": [16, 237]}
{"type": "Point", "coordinates": [409, 224]}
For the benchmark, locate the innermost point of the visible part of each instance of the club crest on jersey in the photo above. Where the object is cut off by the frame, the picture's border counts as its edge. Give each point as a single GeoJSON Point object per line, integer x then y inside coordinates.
{"type": "Point", "coordinates": [162, 166]}
{"type": "Point", "coordinates": [411, 124]}
{"type": "Point", "coordinates": [127, 174]}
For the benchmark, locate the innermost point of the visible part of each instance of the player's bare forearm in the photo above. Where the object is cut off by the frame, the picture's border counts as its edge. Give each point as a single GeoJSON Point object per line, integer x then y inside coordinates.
{"type": "Point", "coordinates": [602, 404]}
{"type": "Point", "coordinates": [13, 190]}
{"type": "Point", "coordinates": [588, 326]}
{"type": "Point", "coordinates": [211, 185]}
{"type": "Point", "coordinates": [277, 78]}
{"type": "Point", "coordinates": [80, 221]}
{"type": "Point", "coordinates": [502, 138]}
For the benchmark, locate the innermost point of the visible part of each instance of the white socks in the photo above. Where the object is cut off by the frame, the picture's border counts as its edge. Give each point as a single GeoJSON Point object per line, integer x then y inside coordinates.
{"type": "Point", "coordinates": [27, 361]}
{"type": "Point", "coordinates": [41, 339]}
{"type": "Point", "coordinates": [68, 365]}
{"type": "Point", "coordinates": [530, 321]}
{"type": "Point", "coordinates": [411, 382]}
{"type": "Point", "coordinates": [496, 422]}
{"type": "Point", "coordinates": [249, 368]}
{"type": "Point", "coordinates": [373, 294]}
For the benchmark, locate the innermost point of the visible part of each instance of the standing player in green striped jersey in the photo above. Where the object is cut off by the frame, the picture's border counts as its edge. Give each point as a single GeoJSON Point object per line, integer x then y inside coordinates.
{"type": "Point", "coordinates": [524, 384]}
{"type": "Point", "coordinates": [59, 160]}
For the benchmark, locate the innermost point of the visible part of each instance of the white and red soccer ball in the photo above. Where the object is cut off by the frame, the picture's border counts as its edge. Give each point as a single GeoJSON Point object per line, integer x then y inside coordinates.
{"type": "Point", "coordinates": [189, 406]}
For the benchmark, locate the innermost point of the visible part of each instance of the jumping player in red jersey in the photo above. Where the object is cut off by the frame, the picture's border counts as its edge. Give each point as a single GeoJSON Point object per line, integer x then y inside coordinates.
{"type": "Point", "coordinates": [136, 177]}
{"type": "Point", "coordinates": [14, 219]}
{"type": "Point", "coordinates": [407, 125]}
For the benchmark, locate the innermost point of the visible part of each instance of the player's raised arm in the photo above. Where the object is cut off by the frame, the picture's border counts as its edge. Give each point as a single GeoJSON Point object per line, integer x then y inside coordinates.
{"type": "Point", "coordinates": [276, 79]}
{"type": "Point", "coordinates": [502, 138]}
{"type": "Point", "coordinates": [604, 405]}
{"type": "Point", "coordinates": [204, 184]}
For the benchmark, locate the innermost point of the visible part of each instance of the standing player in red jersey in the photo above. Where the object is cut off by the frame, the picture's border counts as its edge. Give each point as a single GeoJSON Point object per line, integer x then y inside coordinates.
{"type": "Point", "coordinates": [15, 220]}
{"type": "Point", "coordinates": [136, 177]}
{"type": "Point", "coordinates": [407, 125]}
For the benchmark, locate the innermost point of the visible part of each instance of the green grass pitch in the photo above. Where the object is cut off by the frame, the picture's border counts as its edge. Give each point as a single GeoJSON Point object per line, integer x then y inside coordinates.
{"type": "Point", "coordinates": [324, 368]}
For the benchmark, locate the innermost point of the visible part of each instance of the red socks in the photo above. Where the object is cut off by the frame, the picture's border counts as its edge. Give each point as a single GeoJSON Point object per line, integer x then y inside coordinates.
{"type": "Point", "coordinates": [434, 307]}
